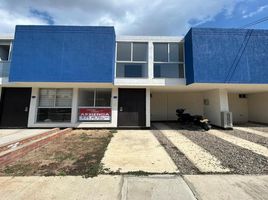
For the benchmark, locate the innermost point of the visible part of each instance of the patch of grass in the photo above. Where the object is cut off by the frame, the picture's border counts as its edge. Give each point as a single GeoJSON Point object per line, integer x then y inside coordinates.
{"type": "Point", "coordinates": [17, 170]}
{"type": "Point", "coordinates": [113, 131]}
{"type": "Point", "coordinates": [84, 137]}
{"type": "Point", "coordinates": [61, 156]}
{"type": "Point", "coordinates": [61, 173]}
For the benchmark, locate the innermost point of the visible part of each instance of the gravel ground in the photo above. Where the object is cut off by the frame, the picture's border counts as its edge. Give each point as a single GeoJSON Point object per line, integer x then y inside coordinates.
{"type": "Point", "coordinates": [248, 136]}
{"type": "Point", "coordinates": [183, 164]}
{"type": "Point", "coordinates": [240, 160]}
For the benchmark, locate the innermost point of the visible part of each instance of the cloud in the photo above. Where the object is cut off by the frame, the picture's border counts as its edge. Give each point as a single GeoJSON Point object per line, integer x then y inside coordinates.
{"type": "Point", "coordinates": [43, 15]}
{"type": "Point", "coordinates": [259, 10]}
{"type": "Point", "coordinates": [132, 17]}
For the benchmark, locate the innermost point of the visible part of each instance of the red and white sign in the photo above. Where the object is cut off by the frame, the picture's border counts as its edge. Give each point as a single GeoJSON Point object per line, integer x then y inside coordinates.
{"type": "Point", "coordinates": [94, 114]}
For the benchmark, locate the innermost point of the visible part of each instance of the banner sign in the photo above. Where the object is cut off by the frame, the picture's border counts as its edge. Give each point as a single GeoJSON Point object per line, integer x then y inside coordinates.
{"type": "Point", "coordinates": [94, 114]}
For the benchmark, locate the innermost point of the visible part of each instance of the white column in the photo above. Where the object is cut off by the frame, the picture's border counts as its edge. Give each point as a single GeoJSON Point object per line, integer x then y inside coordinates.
{"type": "Point", "coordinates": [114, 103]}
{"type": "Point", "coordinates": [148, 107]}
{"type": "Point", "coordinates": [216, 102]}
{"type": "Point", "coordinates": [150, 60]}
{"type": "Point", "coordinates": [33, 107]}
{"type": "Point", "coordinates": [74, 106]}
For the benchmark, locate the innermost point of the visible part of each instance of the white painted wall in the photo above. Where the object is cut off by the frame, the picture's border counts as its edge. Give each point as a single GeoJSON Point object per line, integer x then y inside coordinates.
{"type": "Point", "coordinates": [239, 108]}
{"type": "Point", "coordinates": [258, 107]}
{"type": "Point", "coordinates": [74, 122]}
{"type": "Point", "coordinates": [164, 104]}
{"type": "Point", "coordinates": [217, 102]}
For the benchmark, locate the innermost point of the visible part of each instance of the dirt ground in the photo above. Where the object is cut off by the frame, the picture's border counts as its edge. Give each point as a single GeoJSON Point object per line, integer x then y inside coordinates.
{"type": "Point", "coordinates": [76, 153]}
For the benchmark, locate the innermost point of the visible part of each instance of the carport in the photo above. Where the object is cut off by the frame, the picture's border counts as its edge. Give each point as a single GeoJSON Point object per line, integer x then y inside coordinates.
{"type": "Point", "coordinates": [249, 107]}
{"type": "Point", "coordinates": [165, 102]}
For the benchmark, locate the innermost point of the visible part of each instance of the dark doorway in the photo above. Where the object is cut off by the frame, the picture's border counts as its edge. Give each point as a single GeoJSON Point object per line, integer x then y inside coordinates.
{"type": "Point", "coordinates": [15, 107]}
{"type": "Point", "coordinates": [131, 108]}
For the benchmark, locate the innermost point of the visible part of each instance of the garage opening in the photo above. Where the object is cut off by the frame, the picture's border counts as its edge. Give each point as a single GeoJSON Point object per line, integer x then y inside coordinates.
{"type": "Point", "coordinates": [164, 104]}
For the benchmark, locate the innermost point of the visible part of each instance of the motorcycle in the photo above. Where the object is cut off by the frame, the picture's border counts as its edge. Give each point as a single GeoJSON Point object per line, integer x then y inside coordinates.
{"type": "Point", "coordinates": [198, 120]}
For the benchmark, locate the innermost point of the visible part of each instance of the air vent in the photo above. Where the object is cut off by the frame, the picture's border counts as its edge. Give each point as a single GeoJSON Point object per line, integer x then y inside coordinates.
{"type": "Point", "coordinates": [226, 119]}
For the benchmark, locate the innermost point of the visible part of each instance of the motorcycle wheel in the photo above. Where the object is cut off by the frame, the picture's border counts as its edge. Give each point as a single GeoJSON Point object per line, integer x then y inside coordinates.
{"type": "Point", "coordinates": [206, 126]}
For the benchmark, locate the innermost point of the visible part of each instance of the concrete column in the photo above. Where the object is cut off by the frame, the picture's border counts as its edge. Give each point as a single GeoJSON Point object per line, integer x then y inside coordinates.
{"type": "Point", "coordinates": [148, 107]}
{"type": "Point", "coordinates": [215, 102]}
{"type": "Point", "coordinates": [74, 106]}
{"type": "Point", "coordinates": [150, 60]}
{"type": "Point", "coordinates": [33, 107]}
{"type": "Point", "coordinates": [114, 103]}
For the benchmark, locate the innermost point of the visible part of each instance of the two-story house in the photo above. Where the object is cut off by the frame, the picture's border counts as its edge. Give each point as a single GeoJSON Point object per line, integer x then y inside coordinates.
{"type": "Point", "coordinates": [77, 76]}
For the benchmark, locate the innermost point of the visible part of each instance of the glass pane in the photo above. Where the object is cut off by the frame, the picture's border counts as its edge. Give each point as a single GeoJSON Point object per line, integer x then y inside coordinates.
{"type": "Point", "coordinates": [161, 52]}
{"type": "Point", "coordinates": [124, 51]}
{"type": "Point", "coordinates": [174, 52]}
{"type": "Point", "coordinates": [64, 97]}
{"type": "Point", "coordinates": [181, 71]}
{"type": "Point", "coordinates": [54, 115]}
{"type": "Point", "coordinates": [181, 52]}
{"type": "Point", "coordinates": [139, 51]}
{"type": "Point", "coordinates": [86, 97]}
{"type": "Point", "coordinates": [131, 70]}
{"type": "Point", "coordinates": [47, 97]}
{"type": "Point", "coordinates": [103, 97]}
{"type": "Point", "coordinates": [4, 52]}
{"type": "Point", "coordinates": [166, 70]}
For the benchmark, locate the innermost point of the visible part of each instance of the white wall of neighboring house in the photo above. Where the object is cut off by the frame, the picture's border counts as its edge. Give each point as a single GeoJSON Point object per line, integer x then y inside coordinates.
{"type": "Point", "coordinates": [258, 107]}
{"type": "Point", "coordinates": [239, 108]}
{"type": "Point", "coordinates": [164, 104]}
{"type": "Point", "coordinates": [217, 102]}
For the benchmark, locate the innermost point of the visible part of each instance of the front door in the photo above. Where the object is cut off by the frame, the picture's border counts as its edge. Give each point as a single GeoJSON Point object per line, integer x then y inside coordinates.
{"type": "Point", "coordinates": [131, 108]}
{"type": "Point", "coordinates": [14, 107]}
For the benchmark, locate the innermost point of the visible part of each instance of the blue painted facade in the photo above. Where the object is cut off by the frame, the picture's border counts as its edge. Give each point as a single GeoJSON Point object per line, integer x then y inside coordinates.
{"type": "Point", "coordinates": [63, 54]}
{"type": "Point", "coordinates": [226, 56]}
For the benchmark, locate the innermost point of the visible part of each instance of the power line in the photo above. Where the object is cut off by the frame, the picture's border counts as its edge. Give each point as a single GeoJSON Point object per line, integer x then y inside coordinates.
{"type": "Point", "coordinates": [255, 22]}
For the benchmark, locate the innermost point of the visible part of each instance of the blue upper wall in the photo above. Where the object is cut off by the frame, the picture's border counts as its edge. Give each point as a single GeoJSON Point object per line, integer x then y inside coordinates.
{"type": "Point", "coordinates": [63, 54]}
{"type": "Point", "coordinates": [226, 56]}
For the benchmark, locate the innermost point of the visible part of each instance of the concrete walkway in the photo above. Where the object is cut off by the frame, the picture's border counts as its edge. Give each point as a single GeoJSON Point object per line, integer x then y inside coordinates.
{"type": "Point", "coordinates": [231, 187]}
{"type": "Point", "coordinates": [167, 187]}
{"type": "Point", "coordinates": [9, 135]}
{"type": "Point", "coordinates": [137, 150]}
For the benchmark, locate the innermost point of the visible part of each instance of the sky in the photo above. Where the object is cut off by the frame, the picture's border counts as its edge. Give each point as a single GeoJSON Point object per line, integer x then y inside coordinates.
{"type": "Point", "coordinates": [134, 17]}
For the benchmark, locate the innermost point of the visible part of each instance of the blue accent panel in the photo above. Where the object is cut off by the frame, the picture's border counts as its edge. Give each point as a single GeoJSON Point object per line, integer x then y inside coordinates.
{"type": "Point", "coordinates": [63, 54]}
{"type": "Point", "coordinates": [226, 56]}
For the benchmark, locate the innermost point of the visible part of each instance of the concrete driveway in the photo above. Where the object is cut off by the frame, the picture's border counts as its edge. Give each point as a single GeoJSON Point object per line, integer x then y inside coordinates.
{"type": "Point", "coordinates": [168, 187]}
{"type": "Point", "coordinates": [137, 150]}
{"type": "Point", "coordinates": [10, 135]}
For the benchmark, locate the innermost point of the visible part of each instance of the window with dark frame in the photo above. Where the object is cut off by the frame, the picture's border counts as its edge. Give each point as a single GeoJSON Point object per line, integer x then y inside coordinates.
{"type": "Point", "coordinates": [168, 60]}
{"type": "Point", "coordinates": [55, 105]}
{"type": "Point", "coordinates": [132, 60]}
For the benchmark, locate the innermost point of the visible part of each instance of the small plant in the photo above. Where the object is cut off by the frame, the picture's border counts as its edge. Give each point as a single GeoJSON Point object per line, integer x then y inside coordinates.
{"type": "Point", "coordinates": [113, 131]}
{"type": "Point", "coordinates": [62, 173]}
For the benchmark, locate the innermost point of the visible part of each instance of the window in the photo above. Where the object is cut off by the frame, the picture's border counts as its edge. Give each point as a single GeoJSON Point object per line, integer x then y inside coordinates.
{"type": "Point", "coordinates": [123, 51]}
{"type": "Point", "coordinates": [103, 98]}
{"type": "Point", "coordinates": [132, 59]}
{"type": "Point", "coordinates": [4, 52]}
{"type": "Point", "coordinates": [161, 52]}
{"type": "Point", "coordinates": [54, 105]}
{"type": "Point", "coordinates": [94, 98]}
{"type": "Point", "coordinates": [168, 60]}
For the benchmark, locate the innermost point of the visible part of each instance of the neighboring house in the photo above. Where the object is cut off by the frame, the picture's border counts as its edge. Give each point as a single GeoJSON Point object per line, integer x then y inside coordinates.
{"type": "Point", "coordinates": [75, 76]}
